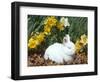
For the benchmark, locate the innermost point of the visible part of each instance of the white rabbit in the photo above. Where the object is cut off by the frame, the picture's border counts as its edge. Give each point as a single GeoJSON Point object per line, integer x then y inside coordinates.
{"type": "Point", "coordinates": [61, 52]}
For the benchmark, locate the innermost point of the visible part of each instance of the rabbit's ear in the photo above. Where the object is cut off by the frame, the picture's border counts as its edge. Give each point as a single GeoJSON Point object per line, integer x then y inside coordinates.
{"type": "Point", "coordinates": [68, 37]}
{"type": "Point", "coordinates": [65, 40]}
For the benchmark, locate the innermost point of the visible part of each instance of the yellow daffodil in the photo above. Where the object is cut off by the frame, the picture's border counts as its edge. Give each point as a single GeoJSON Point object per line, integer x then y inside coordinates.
{"type": "Point", "coordinates": [81, 42]}
{"type": "Point", "coordinates": [47, 29]}
{"type": "Point", "coordinates": [50, 21]}
{"type": "Point", "coordinates": [60, 26]}
{"type": "Point", "coordinates": [83, 39]}
{"type": "Point", "coordinates": [36, 40]}
{"type": "Point", "coordinates": [40, 37]}
{"type": "Point", "coordinates": [32, 43]}
{"type": "Point", "coordinates": [78, 45]}
{"type": "Point", "coordinates": [31, 39]}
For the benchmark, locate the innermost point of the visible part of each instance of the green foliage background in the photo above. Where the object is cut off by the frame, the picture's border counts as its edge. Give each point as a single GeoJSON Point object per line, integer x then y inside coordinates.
{"type": "Point", "coordinates": [78, 26]}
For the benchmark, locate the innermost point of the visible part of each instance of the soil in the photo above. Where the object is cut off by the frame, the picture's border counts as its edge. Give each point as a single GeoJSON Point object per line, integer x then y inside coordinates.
{"type": "Point", "coordinates": [38, 60]}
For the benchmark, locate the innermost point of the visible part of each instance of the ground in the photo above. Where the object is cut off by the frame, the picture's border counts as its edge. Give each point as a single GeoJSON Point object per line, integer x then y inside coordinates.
{"type": "Point", "coordinates": [38, 60]}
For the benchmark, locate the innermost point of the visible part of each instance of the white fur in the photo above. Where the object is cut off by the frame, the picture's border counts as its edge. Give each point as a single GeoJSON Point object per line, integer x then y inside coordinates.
{"type": "Point", "coordinates": [60, 52]}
